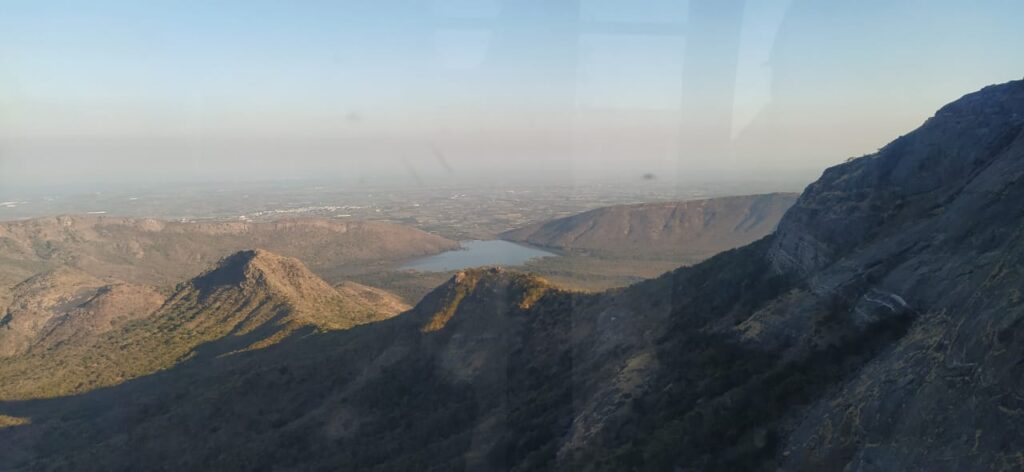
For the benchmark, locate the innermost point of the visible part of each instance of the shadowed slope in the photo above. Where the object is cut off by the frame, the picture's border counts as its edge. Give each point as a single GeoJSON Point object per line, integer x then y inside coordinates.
{"type": "Point", "coordinates": [880, 328]}
{"type": "Point", "coordinates": [334, 397]}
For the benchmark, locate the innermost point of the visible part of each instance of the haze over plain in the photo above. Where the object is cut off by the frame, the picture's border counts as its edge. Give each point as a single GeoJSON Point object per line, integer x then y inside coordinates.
{"type": "Point", "coordinates": [417, 92]}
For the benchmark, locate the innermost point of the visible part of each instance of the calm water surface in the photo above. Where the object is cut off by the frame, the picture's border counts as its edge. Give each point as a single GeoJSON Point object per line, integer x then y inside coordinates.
{"type": "Point", "coordinates": [476, 254]}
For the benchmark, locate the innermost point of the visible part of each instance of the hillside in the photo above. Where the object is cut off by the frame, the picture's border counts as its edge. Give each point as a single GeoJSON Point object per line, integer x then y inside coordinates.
{"type": "Point", "coordinates": [696, 229]}
{"type": "Point", "coordinates": [879, 328]}
{"type": "Point", "coordinates": [621, 245]}
{"type": "Point", "coordinates": [337, 395]}
{"type": "Point", "coordinates": [161, 253]}
{"type": "Point", "coordinates": [65, 304]}
{"type": "Point", "coordinates": [53, 306]}
{"type": "Point", "coordinates": [250, 300]}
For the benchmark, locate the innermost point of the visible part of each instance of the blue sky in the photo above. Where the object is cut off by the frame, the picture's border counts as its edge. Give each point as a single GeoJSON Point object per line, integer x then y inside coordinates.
{"type": "Point", "coordinates": [106, 91]}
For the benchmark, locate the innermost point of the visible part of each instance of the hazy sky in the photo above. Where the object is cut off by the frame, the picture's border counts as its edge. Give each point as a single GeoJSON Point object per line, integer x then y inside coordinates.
{"type": "Point", "coordinates": [109, 91]}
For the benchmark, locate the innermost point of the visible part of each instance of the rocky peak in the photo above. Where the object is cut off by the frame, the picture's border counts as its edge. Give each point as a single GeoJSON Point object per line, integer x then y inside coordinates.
{"type": "Point", "coordinates": [264, 269]}
{"type": "Point", "coordinates": [257, 278]}
{"type": "Point", "coordinates": [511, 291]}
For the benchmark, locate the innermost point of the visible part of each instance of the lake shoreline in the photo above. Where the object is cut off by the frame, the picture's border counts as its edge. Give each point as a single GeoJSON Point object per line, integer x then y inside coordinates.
{"type": "Point", "coordinates": [479, 253]}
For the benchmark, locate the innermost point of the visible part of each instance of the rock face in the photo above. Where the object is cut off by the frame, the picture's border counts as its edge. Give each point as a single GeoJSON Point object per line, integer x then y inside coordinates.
{"type": "Point", "coordinates": [696, 229]}
{"type": "Point", "coordinates": [929, 225]}
{"type": "Point", "coordinates": [968, 147]}
{"type": "Point", "coordinates": [880, 328]}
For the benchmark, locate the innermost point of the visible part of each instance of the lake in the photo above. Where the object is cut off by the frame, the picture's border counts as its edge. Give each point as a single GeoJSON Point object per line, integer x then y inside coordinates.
{"type": "Point", "coordinates": [476, 254]}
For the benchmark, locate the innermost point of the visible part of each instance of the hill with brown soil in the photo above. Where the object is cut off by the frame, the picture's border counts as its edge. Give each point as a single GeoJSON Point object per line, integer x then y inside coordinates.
{"type": "Point", "coordinates": [64, 304]}
{"type": "Point", "coordinates": [694, 229]}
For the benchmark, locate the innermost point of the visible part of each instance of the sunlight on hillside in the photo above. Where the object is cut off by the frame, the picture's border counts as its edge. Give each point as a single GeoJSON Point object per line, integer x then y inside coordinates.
{"type": "Point", "coordinates": [9, 421]}
{"type": "Point", "coordinates": [511, 235]}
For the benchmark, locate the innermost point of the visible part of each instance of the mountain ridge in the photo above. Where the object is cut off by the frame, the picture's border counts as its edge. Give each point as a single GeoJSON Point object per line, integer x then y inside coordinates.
{"type": "Point", "coordinates": [879, 328]}
{"type": "Point", "coordinates": [160, 253]}
{"type": "Point", "coordinates": [249, 300]}
{"type": "Point", "coordinates": [694, 228]}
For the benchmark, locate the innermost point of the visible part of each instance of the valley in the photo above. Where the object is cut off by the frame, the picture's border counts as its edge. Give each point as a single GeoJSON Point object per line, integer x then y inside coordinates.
{"type": "Point", "coordinates": [865, 324]}
{"type": "Point", "coordinates": [81, 287]}
{"type": "Point", "coordinates": [511, 236]}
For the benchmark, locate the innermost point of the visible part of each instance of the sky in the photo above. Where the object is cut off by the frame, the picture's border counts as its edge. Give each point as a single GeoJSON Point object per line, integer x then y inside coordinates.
{"type": "Point", "coordinates": [413, 91]}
